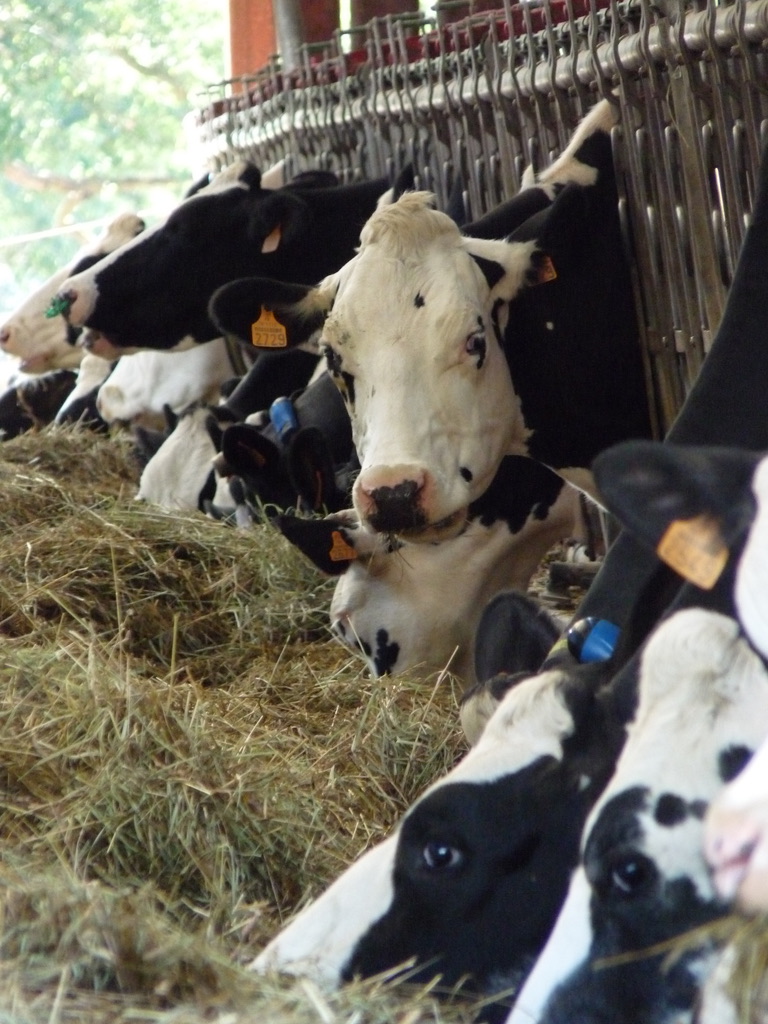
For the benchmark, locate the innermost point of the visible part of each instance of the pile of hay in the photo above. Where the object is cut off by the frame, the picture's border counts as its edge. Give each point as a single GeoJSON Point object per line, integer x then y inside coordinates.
{"type": "Point", "coordinates": [185, 755]}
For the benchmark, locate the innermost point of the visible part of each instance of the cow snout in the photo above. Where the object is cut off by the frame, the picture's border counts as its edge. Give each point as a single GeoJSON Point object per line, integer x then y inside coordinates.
{"type": "Point", "coordinates": [391, 499]}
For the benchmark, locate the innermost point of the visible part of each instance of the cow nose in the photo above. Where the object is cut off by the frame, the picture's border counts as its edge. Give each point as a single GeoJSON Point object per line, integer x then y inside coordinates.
{"type": "Point", "coordinates": [396, 508]}
{"type": "Point", "coordinates": [390, 499]}
{"type": "Point", "coordinates": [5, 336]}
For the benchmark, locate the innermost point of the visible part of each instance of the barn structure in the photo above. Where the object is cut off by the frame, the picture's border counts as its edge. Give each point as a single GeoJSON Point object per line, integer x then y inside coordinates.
{"type": "Point", "coordinates": [474, 95]}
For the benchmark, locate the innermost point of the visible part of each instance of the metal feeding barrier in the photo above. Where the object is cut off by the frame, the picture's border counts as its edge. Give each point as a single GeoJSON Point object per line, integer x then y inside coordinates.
{"type": "Point", "coordinates": [473, 98]}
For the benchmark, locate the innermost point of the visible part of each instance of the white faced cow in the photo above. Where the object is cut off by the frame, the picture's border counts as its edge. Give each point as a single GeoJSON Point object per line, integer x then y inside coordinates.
{"type": "Point", "coordinates": [643, 879]}
{"type": "Point", "coordinates": [423, 326]}
{"type": "Point", "coordinates": [406, 606]}
{"type": "Point", "coordinates": [142, 384]}
{"type": "Point", "coordinates": [47, 343]}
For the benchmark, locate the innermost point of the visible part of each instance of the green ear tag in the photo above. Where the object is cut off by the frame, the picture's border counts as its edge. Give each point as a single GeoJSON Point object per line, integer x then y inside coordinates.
{"type": "Point", "coordinates": [59, 304]}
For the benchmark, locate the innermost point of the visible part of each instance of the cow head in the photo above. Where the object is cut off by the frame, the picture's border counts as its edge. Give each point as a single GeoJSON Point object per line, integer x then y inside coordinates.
{"type": "Point", "coordinates": [407, 606]}
{"type": "Point", "coordinates": [703, 701]}
{"type": "Point", "coordinates": [411, 332]}
{"type": "Point", "coordinates": [42, 342]}
{"type": "Point", "coordinates": [470, 883]}
{"type": "Point", "coordinates": [154, 292]}
{"type": "Point", "coordinates": [180, 474]}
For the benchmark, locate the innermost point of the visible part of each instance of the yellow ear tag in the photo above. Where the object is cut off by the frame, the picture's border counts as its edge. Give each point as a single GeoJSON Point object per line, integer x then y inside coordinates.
{"type": "Point", "coordinates": [267, 332]}
{"type": "Point", "coordinates": [695, 550]}
{"type": "Point", "coordinates": [341, 551]}
{"type": "Point", "coordinates": [547, 271]}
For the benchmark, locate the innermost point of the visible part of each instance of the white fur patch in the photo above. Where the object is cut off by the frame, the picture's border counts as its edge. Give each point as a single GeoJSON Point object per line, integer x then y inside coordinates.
{"type": "Point", "coordinates": [319, 941]}
{"type": "Point", "coordinates": [751, 593]}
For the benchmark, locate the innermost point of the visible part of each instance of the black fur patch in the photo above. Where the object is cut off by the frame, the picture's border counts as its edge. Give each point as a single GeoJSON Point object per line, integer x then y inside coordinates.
{"type": "Point", "coordinates": [492, 271]}
{"type": "Point", "coordinates": [670, 810]}
{"type": "Point", "coordinates": [731, 760]}
{"type": "Point", "coordinates": [386, 653]}
{"type": "Point", "coordinates": [349, 384]}
{"type": "Point", "coordinates": [419, 301]}
{"type": "Point", "coordinates": [333, 360]}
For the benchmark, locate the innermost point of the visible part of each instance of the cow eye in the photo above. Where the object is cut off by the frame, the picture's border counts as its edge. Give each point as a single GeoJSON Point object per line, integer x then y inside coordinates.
{"type": "Point", "coordinates": [631, 874]}
{"type": "Point", "coordinates": [441, 856]}
{"type": "Point", "coordinates": [475, 346]}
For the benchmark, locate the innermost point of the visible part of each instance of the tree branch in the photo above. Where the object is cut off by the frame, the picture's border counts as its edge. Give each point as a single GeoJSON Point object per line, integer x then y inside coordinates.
{"type": "Point", "coordinates": [158, 70]}
{"type": "Point", "coordinates": [44, 181]}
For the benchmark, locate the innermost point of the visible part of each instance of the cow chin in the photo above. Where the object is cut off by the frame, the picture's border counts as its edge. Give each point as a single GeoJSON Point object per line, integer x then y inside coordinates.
{"type": "Point", "coordinates": [435, 533]}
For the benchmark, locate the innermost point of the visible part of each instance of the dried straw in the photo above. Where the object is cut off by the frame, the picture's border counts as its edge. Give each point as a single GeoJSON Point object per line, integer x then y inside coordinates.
{"type": "Point", "coordinates": [185, 756]}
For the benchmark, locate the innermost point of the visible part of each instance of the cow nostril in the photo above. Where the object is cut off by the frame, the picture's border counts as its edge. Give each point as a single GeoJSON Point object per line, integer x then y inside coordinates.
{"type": "Point", "coordinates": [5, 336]}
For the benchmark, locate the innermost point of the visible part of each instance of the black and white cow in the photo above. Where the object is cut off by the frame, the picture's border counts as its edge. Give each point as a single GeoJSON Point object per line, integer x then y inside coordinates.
{"type": "Point", "coordinates": [406, 606]}
{"type": "Point", "coordinates": [701, 508]}
{"type": "Point", "coordinates": [45, 343]}
{"type": "Point", "coordinates": [180, 475]}
{"type": "Point", "coordinates": [471, 882]}
{"type": "Point", "coordinates": [454, 348]}
{"type": "Point", "coordinates": [173, 479]}
{"type": "Point", "coordinates": [643, 879]}
{"type": "Point", "coordinates": [143, 384]}
{"type": "Point", "coordinates": [33, 401]}
{"type": "Point", "coordinates": [725, 407]}
{"type": "Point", "coordinates": [154, 293]}
{"type": "Point", "coordinates": [80, 404]}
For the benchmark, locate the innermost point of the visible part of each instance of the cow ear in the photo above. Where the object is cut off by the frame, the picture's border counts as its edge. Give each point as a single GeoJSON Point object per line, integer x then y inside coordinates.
{"type": "Point", "coordinates": [404, 182]}
{"type": "Point", "coordinates": [251, 176]}
{"type": "Point", "coordinates": [311, 470]}
{"type": "Point", "coordinates": [326, 542]}
{"type": "Point", "coordinates": [276, 219]}
{"type": "Point", "coordinates": [247, 453]}
{"type": "Point", "coordinates": [314, 179]}
{"type": "Point", "coordinates": [269, 314]}
{"type": "Point", "coordinates": [506, 266]}
{"type": "Point", "coordinates": [146, 444]}
{"type": "Point", "coordinates": [650, 486]}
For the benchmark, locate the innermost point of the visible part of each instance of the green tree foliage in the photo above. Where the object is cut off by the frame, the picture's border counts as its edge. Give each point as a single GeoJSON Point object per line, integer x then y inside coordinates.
{"type": "Point", "coordinates": [93, 94]}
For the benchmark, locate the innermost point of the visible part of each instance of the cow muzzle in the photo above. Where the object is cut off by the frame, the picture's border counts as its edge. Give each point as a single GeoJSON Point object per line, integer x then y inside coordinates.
{"type": "Point", "coordinates": [389, 498]}
{"type": "Point", "coordinates": [397, 500]}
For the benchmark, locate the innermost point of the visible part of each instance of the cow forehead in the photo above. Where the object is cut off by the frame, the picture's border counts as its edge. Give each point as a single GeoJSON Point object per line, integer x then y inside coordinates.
{"type": "Point", "coordinates": [441, 290]}
{"type": "Point", "coordinates": [532, 721]}
{"type": "Point", "coordinates": [703, 696]}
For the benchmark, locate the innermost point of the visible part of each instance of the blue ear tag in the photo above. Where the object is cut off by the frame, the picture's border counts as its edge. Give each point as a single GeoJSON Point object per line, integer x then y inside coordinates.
{"type": "Point", "coordinates": [283, 417]}
{"type": "Point", "coordinates": [592, 639]}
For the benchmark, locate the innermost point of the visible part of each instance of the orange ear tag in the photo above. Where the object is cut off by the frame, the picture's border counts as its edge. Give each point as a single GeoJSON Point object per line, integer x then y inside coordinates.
{"type": "Point", "coordinates": [268, 332]}
{"type": "Point", "coordinates": [547, 271]}
{"type": "Point", "coordinates": [341, 551]}
{"type": "Point", "coordinates": [694, 548]}
{"type": "Point", "coordinates": [272, 241]}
